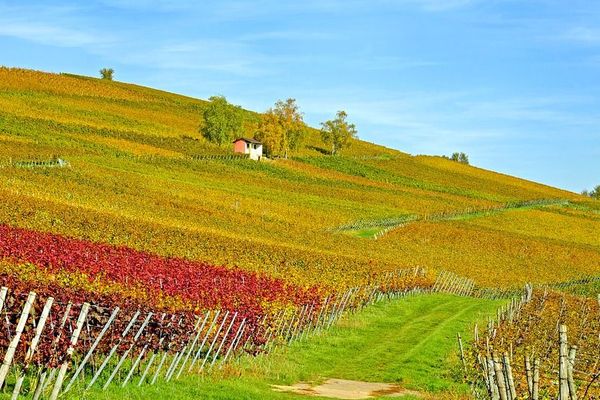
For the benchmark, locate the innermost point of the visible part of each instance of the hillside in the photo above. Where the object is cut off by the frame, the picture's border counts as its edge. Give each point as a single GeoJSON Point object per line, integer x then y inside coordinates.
{"type": "Point", "coordinates": [131, 181]}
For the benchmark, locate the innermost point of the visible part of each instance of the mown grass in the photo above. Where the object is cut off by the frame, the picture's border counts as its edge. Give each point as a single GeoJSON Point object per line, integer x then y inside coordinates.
{"type": "Point", "coordinates": [410, 342]}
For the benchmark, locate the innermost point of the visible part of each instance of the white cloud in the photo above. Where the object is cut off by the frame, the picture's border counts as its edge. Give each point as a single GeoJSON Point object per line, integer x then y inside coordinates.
{"type": "Point", "coordinates": [225, 56]}
{"type": "Point", "coordinates": [584, 35]}
{"type": "Point", "coordinates": [46, 34]}
{"type": "Point", "coordinates": [441, 5]}
{"type": "Point", "coordinates": [52, 25]}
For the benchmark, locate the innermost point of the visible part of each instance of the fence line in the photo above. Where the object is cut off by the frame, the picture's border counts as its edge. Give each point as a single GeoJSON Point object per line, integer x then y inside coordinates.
{"type": "Point", "coordinates": [220, 157]}
{"type": "Point", "coordinates": [52, 163]}
{"type": "Point", "coordinates": [495, 373]}
{"type": "Point", "coordinates": [79, 346]}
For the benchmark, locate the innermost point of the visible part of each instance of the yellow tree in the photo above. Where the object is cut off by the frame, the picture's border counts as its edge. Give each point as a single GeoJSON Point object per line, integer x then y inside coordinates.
{"type": "Point", "coordinates": [270, 133]}
{"type": "Point", "coordinates": [282, 128]}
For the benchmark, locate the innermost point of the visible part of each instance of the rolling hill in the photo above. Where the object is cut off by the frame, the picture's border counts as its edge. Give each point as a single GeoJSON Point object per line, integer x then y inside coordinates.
{"type": "Point", "coordinates": [132, 180]}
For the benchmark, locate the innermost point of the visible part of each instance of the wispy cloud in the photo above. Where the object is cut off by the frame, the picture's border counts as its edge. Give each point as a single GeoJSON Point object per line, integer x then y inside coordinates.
{"type": "Point", "coordinates": [222, 56]}
{"type": "Point", "coordinates": [584, 34]}
{"type": "Point", "coordinates": [60, 26]}
{"type": "Point", "coordinates": [441, 5]}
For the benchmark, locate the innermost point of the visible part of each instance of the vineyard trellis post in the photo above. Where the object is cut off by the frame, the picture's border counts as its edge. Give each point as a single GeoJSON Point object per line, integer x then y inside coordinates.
{"type": "Point", "coordinates": [12, 347]}
{"type": "Point", "coordinates": [212, 344]}
{"type": "Point", "coordinates": [65, 365]}
{"type": "Point", "coordinates": [197, 355]}
{"type": "Point", "coordinates": [33, 346]}
{"type": "Point", "coordinates": [193, 345]}
{"type": "Point", "coordinates": [114, 349]}
{"type": "Point", "coordinates": [570, 367]}
{"type": "Point", "coordinates": [563, 360]}
{"type": "Point", "coordinates": [124, 356]}
{"type": "Point", "coordinates": [93, 348]}
{"type": "Point", "coordinates": [224, 339]}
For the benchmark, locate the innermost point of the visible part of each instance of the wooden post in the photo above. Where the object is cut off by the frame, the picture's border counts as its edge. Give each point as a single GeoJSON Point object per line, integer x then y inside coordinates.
{"type": "Point", "coordinates": [462, 354]}
{"type": "Point", "coordinates": [91, 350]}
{"type": "Point", "coordinates": [65, 365]}
{"type": "Point", "coordinates": [536, 380]}
{"type": "Point", "coordinates": [563, 368]}
{"type": "Point", "coordinates": [509, 378]}
{"type": "Point", "coordinates": [500, 379]}
{"type": "Point", "coordinates": [494, 394]}
{"type": "Point", "coordinates": [529, 376]}
{"type": "Point", "coordinates": [33, 346]}
{"type": "Point", "coordinates": [3, 292]}
{"type": "Point", "coordinates": [12, 347]}
{"type": "Point", "coordinates": [570, 367]}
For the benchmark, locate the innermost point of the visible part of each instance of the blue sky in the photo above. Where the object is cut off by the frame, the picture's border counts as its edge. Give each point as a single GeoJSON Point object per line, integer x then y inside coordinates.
{"type": "Point", "coordinates": [513, 83]}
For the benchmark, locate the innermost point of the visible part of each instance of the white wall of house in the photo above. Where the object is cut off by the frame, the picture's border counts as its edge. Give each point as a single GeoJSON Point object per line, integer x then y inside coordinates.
{"type": "Point", "coordinates": [255, 150]}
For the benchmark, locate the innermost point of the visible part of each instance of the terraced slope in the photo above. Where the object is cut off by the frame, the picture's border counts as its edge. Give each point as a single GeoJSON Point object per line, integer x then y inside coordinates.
{"type": "Point", "coordinates": [131, 181]}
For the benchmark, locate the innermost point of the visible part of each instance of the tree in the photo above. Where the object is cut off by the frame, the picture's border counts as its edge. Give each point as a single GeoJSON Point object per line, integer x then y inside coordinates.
{"type": "Point", "coordinates": [270, 133]}
{"type": "Point", "coordinates": [462, 158]}
{"type": "Point", "coordinates": [595, 193]}
{"type": "Point", "coordinates": [282, 128]}
{"type": "Point", "coordinates": [221, 121]}
{"type": "Point", "coordinates": [338, 132]}
{"type": "Point", "coordinates": [107, 73]}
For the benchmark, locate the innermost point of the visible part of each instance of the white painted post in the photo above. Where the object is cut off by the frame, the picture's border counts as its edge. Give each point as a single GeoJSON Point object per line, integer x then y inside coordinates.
{"type": "Point", "coordinates": [210, 328]}
{"type": "Point", "coordinates": [134, 366]}
{"type": "Point", "coordinates": [12, 347]}
{"type": "Point", "coordinates": [124, 356]}
{"type": "Point", "coordinates": [214, 340]}
{"type": "Point", "coordinates": [74, 337]}
{"type": "Point", "coordinates": [233, 342]}
{"type": "Point", "coordinates": [152, 358]}
{"type": "Point", "coordinates": [91, 350]}
{"type": "Point", "coordinates": [3, 292]}
{"type": "Point", "coordinates": [33, 346]}
{"type": "Point", "coordinates": [224, 339]}
{"type": "Point", "coordinates": [193, 345]}
{"type": "Point", "coordinates": [113, 349]}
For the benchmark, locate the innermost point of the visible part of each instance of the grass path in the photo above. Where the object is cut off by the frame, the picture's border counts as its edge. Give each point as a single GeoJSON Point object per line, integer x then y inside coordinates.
{"type": "Point", "coordinates": [411, 342]}
{"type": "Point", "coordinates": [376, 228]}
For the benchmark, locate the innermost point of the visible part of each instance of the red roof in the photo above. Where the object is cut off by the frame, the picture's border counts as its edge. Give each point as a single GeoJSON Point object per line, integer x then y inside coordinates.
{"type": "Point", "coordinates": [253, 141]}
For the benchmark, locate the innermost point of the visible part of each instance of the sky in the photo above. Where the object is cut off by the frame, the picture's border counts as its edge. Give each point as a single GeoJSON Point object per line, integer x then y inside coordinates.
{"type": "Point", "coordinates": [515, 84]}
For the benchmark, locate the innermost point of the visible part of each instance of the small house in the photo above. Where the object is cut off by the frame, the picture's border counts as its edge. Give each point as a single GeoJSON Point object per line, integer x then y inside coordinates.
{"type": "Point", "coordinates": [252, 147]}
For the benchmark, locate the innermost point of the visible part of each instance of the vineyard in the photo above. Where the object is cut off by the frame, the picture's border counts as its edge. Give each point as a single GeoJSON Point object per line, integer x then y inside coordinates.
{"type": "Point", "coordinates": [133, 251]}
{"type": "Point", "coordinates": [78, 314]}
{"type": "Point", "coordinates": [545, 345]}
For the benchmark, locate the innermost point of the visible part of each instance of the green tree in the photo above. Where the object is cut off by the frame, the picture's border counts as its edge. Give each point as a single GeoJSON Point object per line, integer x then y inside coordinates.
{"type": "Point", "coordinates": [462, 158]}
{"type": "Point", "coordinates": [338, 133]}
{"type": "Point", "coordinates": [595, 193]}
{"type": "Point", "coordinates": [282, 128]}
{"type": "Point", "coordinates": [221, 121]}
{"type": "Point", "coordinates": [107, 73]}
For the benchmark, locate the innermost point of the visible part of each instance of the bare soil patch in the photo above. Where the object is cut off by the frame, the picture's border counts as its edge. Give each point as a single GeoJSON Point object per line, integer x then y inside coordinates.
{"type": "Point", "coordinates": [345, 389]}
